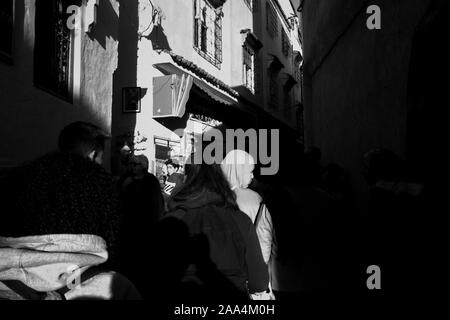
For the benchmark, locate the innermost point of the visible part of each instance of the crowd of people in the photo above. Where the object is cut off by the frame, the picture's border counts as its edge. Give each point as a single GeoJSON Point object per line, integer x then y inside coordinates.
{"type": "Point", "coordinates": [216, 232]}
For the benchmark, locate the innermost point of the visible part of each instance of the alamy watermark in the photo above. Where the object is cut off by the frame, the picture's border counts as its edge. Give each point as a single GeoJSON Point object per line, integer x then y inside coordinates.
{"type": "Point", "coordinates": [374, 280]}
{"type": "Point", "coordinates": [263, 145]}
{"type": "Point", "coordinates": [374, 20]}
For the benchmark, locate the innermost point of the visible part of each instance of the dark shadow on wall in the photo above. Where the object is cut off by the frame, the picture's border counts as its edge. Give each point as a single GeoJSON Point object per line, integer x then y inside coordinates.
{"type": "Point", "coordinates": [159, 39]}
{"type": "Point", "coordinates": [123, 124]}
{"type": "Point", "coordinates": [106, 25]}
{"type": "Point", "coordinates": [19, 98]}
{"type": "Point", "coordinates": [427, 90]}
{"type": "Point", "coordinates": [183, 263]}
{"type": "Point", "coordinates": [174, 123]}
{"type": "Point", "coordinates": [426, 141]}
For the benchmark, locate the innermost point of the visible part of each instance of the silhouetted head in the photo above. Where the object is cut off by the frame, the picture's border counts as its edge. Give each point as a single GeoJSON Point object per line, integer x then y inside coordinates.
{"type": "Point", "coordinates": [84, 139]}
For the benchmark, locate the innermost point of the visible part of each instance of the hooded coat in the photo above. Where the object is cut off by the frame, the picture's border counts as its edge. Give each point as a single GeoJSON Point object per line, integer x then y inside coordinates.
{"type": "Point", "coordinates": [226, 237]}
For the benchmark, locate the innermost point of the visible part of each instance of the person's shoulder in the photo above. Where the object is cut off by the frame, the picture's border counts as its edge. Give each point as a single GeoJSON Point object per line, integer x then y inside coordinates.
{"type": "Point", "coordinates": [75, 165]}
{"type": "Point", "coordinates": [107, 285]}
{"type": "Point", "coordinates": [247, 191]}
{"type": "Point", "coordinates": [248, 194]}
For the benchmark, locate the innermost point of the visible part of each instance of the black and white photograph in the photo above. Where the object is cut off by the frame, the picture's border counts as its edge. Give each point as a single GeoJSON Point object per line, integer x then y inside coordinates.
{"type": "Point", "coordinates": [222, 158]}
{"type": "Point", "coordinates": [131, 99]}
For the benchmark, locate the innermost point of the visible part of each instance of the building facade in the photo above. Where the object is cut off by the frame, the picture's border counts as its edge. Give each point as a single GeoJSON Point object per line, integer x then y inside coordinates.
{"type": "Point", "coordinates": [279, 60]}
{"type": "Point", "coordinates": [206, 62]}
{"type": "Point", "coordinates": [365, 87]}
{"type": "Point", "coordinates": [56, 67]}
{"type": "Point", "coordinates": [153, 73]}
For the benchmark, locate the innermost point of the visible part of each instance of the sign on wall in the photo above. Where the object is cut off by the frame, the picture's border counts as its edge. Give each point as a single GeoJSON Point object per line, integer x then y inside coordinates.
{"type": "Point", "coordinates": [131, 100]}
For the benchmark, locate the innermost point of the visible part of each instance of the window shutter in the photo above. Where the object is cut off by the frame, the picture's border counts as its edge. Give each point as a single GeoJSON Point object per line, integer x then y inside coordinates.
{"type": "Point", "coordinates": [218, 38]}
{"type": "Point", "coordinates": [271, 20]}
{"type": "Point", "coordinates": [197, 23]}
{"type": "Point", "coordinates": [52, 52]}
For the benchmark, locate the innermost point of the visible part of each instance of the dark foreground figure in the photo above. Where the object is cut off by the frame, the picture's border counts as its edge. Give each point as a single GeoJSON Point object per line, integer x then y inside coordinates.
{"type": "Point", "coordinates": [209, 248]}
{"type": "Point", "coordinates": [59, 221]}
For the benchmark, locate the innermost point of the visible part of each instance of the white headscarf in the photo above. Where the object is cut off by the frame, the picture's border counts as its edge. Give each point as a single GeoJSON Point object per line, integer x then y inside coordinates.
{"type": "Point", "coordinates": [238, 168]}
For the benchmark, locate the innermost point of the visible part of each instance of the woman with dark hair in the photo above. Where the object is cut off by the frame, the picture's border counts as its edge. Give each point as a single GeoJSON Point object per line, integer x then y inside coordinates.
{"type": "Point", "coordinates": [224, 254]}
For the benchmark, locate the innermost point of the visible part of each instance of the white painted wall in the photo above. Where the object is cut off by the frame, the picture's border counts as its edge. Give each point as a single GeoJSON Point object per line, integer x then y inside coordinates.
{"type": "Point", "coordinates": [178, 24]}
{"type": "Point", "coordinates": [30, 119]}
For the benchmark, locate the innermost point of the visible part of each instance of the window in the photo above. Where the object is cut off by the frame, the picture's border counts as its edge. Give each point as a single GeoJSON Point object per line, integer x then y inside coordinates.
{"type": "Point", "coordinates": [292, 22]}
{"type": "Point", "coordinates": [208, 31]}
{"type": "Point", "coordinates": [53, 48]}
{"type": "Point", "coordinates": [271, 20]}
{"type": "Point", "coordinates": [166, 149]}
{"type": "Point", "coordinates": [250, 48]}
{"type": "Point", "coordinates": [285, 44]}
{"type": "Point", "coordinates": [298, 76]}
{"type": "Point", "coordinates": [6, 30]}
{"type": "Point", "coordinates": [249, 68]}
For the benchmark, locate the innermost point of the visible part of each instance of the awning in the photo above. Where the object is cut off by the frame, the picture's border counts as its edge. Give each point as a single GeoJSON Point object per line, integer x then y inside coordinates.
{"type": "Point", "coordinates": [164, 91]}
{"type": "Point", "coordinates": [214, 94]}
{"type": "Point", "coordinates": [170, 94]}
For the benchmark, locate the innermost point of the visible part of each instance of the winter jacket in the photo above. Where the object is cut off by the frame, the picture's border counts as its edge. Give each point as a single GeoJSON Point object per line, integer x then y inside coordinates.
{"type": "Point", "coordinates": [231, 237]}
{"type": "Point", "coordinates": [50, 262]}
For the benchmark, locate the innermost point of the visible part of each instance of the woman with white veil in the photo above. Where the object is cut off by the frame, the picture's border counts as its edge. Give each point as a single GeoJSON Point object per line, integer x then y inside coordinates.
{"type": "Point", "coordinates": [238, 168]}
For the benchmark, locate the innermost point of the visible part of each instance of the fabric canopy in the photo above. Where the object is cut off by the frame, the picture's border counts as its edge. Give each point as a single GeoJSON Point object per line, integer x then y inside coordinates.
{"type": "Point", "coordinates": [170, 95]}
{"type": "Point", "coordinates": [171, 92]}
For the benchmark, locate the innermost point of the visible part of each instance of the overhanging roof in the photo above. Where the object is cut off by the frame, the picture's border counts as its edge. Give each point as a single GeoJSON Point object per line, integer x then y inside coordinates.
{"type": "Point", "coordinates": [214, 92]}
